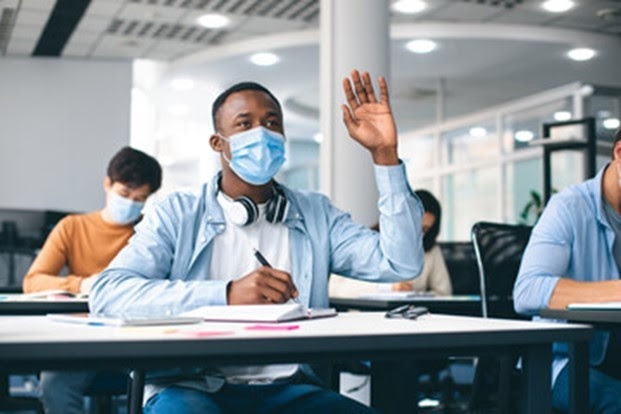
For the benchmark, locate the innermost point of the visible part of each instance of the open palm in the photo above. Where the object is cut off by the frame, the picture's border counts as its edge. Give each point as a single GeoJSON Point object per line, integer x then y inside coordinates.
{"type": "Point", "coordinates": [369, 121]}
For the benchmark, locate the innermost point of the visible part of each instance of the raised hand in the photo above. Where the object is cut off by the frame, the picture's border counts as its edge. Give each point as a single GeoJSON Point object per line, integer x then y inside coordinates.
{"type": "Point", "coordinates": [369, 121]}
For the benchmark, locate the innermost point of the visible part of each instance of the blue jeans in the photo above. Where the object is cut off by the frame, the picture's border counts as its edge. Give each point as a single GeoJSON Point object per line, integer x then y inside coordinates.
{"type": "Point", "coordinates": [63, 392]}
{"type": "Point", "coordinates": [255, 399]}
{"type": "Point", "coordinates": [604, 392]}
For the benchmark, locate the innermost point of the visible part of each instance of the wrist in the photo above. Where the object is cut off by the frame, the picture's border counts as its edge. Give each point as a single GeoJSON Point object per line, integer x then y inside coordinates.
{"type": "Point", "coordinates": [385, 155]}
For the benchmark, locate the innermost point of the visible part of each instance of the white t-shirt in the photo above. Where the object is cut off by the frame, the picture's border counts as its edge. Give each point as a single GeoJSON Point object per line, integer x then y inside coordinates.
{"type": "Point", "coordinates": [233, 258]}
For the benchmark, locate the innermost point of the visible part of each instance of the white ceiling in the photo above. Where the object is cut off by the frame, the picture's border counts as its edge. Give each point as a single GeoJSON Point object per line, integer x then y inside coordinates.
{"type": "Point", "coordinates": [167, 29]}
{"type": "Point", "coordinates": [478, 72]}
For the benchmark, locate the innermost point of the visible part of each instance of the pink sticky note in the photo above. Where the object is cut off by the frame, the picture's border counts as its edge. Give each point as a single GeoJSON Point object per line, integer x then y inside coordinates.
{"type": "Point", "coordinates": [272, 327]}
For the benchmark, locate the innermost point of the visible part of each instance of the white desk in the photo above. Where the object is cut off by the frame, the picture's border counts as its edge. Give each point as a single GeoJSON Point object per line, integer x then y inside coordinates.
{"type": "Point", "coordinates": [34, 342]}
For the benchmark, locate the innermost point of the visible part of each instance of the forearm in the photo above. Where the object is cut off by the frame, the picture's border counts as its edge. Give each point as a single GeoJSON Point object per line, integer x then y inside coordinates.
{"type": "Point", "coordinates": [124, 292]}
{"type": "Point", "coordinates": [37, 282]}
{"type": "Point", "coordinates": [570, 291]}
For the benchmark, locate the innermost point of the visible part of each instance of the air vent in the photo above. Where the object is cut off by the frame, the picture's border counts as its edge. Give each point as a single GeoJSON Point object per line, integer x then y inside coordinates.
{"type": "Point", "coordinates": [134, 29]}
{"type": "Point", "coordinates": [302, 10]}
{"type": "Point", "coordinates": [7, 21]}
{"type": "Point", "coordinates": [507, 4]}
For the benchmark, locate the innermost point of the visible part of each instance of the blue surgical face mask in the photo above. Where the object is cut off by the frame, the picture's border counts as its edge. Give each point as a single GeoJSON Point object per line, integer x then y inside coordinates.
{"type": "Point", "coordinates": [123, 210]}
{"type": "Point", "coordinates": [256, 154]}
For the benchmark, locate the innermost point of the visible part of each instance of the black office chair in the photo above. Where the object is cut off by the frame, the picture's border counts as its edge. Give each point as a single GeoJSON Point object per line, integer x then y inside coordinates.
{"type": "Point", "coordinates": [461, 263]}
{"type": "Point", "coordinates": [499, 249]}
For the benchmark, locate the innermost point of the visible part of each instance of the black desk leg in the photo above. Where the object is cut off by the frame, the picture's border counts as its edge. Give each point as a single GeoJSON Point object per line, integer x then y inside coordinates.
{"type": "Point", "coordinates": [578, 377]}
{"type": "Point", "coordinates": [537, 379]}
{"type": "Point", "coordinates": [136, 390]}
{"type": "Point", "coordinates": [394, 387]}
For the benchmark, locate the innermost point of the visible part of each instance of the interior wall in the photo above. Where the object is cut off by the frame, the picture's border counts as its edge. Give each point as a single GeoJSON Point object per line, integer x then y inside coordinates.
{"type": "Point", "coordinates": [60, 123]}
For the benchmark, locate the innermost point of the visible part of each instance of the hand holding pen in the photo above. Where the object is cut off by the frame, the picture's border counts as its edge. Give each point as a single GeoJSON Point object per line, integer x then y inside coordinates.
{"type": "Point", "coordinates": [264, 285]}
{"type": "Point", "coordinates": [264, 262]}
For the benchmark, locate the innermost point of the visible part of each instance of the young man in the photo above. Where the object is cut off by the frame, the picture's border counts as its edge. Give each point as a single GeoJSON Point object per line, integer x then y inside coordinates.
{"type": "Point", "coordinates": [197, 250]}
{"type": "Point", "coordinates": [574, 255]}
{"type": "Point", "coordinates": [85, 244]}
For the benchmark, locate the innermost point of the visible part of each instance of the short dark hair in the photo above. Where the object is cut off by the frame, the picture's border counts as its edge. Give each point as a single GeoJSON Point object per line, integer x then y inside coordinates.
{"type": "Point", "coordinates": [617, 139]}
{"type": "Point", "coordinates": [238, 87]}
{"type": "Point", "coordinates": [430, 205]}
{"type": "Point", "coordinates": [134, 169]}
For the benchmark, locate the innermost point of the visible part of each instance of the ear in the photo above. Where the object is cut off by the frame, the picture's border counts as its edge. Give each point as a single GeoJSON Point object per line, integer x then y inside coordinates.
{"type": "Point", "coordinates": [216, 143]}
{"type": "Point", "coordinates": [107, 184]}
{"type": "Point", "coordinates": [616, 151]}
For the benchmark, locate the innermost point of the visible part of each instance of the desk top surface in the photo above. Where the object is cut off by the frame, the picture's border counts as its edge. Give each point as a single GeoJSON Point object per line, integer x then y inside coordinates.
{"type": "Point", "coordinates": [588, 316]}
{"type": "Point", "coordinates": [39, 329]}
{"type": "Point", "coordinates": [36, 342]}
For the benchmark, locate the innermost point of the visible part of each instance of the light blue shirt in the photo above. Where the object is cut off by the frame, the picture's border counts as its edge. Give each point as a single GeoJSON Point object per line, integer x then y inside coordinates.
{"type": "Point", "coordinates": [165, 267]}
{"type": "Point", "coordinates": [572, 240]}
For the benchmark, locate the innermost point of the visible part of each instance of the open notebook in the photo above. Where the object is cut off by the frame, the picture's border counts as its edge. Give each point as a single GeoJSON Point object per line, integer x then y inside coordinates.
{"type": "Point", "coordinates": [595, 306]}
{"type": "Point", "coordinates": [259, 313]}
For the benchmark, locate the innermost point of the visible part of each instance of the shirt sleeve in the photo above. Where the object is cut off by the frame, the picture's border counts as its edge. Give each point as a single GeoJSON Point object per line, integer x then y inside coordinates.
{"type": "Point", "coordinates": [546, 259]}
{"type": "Point", "coordinates": [44, 271]}
{"type": "Point", "coordinates": [393, 254]}
{"type": "Point", "coordinates": [137, 282]}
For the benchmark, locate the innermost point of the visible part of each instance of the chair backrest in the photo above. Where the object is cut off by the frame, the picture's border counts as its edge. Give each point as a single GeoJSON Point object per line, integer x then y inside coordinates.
{"type": "Point", "coordinates": [499, 249]}
{"type": "Point", "coordinates": [461, 263]}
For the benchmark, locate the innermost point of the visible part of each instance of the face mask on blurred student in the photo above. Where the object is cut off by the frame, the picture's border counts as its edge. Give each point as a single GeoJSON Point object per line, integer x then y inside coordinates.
{"type": "Point", "coordinates": [256, 154]}
{"type": "Point", "coordinates": [123, 210]}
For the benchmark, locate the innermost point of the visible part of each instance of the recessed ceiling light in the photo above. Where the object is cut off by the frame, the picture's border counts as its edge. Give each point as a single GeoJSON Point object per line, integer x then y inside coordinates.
{"type": "Point", "coordinates": [182, 84]}
{"type": "Point", "coordinates": [178, 110]}
{"type": "Point", "coordinates": [558, 6]}
{"type": "Point", "coordinates": [421, 46]}
{"type": "Point", "coordinates": [213, 21]}
{"type": "Point", "coordinates": [524, 135]}
{"type": "Point", "coordinates": [612, 123]}
{"type": "Point", "coordinates": [264, 59]}
{"type": "Point", "coordinates": [478, 132]}
{"type": "Point", "coordinates": [562, 116]}
{"type": "Point", "coordinates": [409, 6]}
{"type": "Point", "coordinates": [581, 54]}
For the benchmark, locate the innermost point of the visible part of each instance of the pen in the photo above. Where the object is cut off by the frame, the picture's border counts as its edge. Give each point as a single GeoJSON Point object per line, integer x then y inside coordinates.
{"type": "Point", "coordinates": [265, 263]}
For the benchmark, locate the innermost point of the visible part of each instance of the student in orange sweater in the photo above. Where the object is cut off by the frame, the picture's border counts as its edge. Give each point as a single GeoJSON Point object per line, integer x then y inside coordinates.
{"type": "Point", "coordinates": [85, 244]}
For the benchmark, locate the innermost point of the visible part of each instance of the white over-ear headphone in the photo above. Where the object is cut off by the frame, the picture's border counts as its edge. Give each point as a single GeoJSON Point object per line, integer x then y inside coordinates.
{"type": "Point", "coordinates": [244, 211]}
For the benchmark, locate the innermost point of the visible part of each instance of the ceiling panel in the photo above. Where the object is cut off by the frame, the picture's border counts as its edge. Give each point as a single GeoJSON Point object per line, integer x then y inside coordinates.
{"type": "Point", "coordinates": [42, 5]}
{"type": "Point", "coordinates": [75, 49]}
{"type": "Point", "coordinates": [145, 12]}
{"type": "Point", "coordinates": [20, 46]}
{"type": "Point", "coordinates": [32, 17]}
{"type": "Point", "coordinates": [103, 8]}
{"type": "Point", "coordinates": [460, 11]}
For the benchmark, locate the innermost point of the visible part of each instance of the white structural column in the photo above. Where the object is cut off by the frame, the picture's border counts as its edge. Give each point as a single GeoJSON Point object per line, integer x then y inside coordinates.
{"type": "Point", "coordinates": [354, 34]}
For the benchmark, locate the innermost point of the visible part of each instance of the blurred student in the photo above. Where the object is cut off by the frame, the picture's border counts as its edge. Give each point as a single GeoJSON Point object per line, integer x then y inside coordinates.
{"type": "Point", "coordinates": [434, 278]}
{"type": "Point", "coordinates": [85, 244]}
{"type": "Point", "coordinates": [574, 255]}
